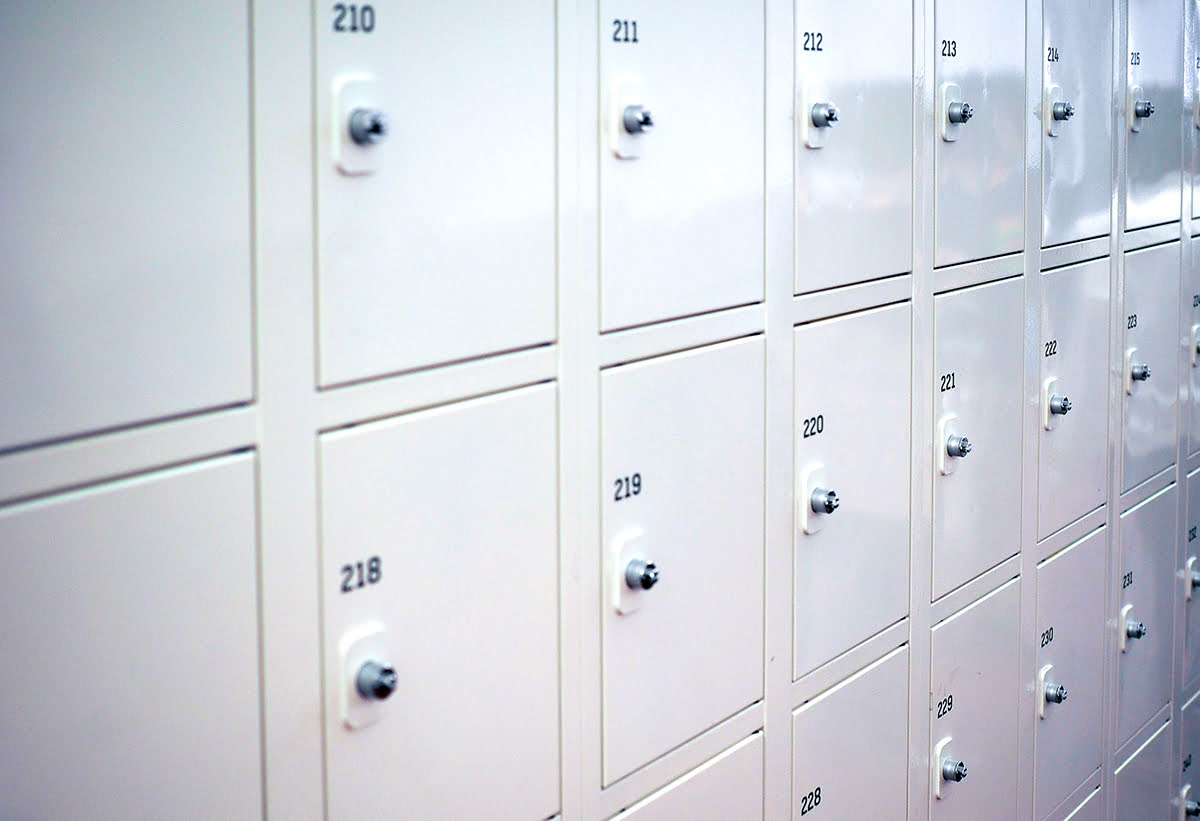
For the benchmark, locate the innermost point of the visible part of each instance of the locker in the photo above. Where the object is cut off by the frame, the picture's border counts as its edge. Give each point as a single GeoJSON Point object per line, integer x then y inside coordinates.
{"type": "Point", "coordinates": [682, 509]}
{"type": "Point", "coordinates": [1153, 110]}
{"type": "Point", "coordinates": [1191, 335]}
{"type": "Point", "coordinates": [1147, 559]}
{"type": "Point", "coordinates": [1089, 810]}
{"type": "Point", "coordinates": [440, 561]}
{"type": "Point", "coordinates": [979, 113]}
{"type": "Point", "coordinates": [132, 681]}
{"type": "Point", "coordinates": [729, 786]}
{"type": "Point", "coordinates": [1191, 580]}
{"type": "Point", "coordinates": [436, 237]}
{"type": "Point", "coordinates": [1073, 424]}
{"type": "Point", "coordinates": [1143, 783]}
{"type": "Point", "coordinates": [1076, 112]}
{"type": "Point", "coordinates": [1189, 728]}
{"type": "Point", "coordinates": [1195, 120]}
{"type": "Point", "coordinates": [1151, 362]}
{"type": "Point", "coordinates": [973, 709]}
{"type": "Point", "coordinates": [977, 396]}
{"type": "Point", "coordinates": [863, 720]}
{"type": "Point", "coordinates": [126, 229]}
{"type": "Point", "coordinates": [1069, 670]}
{"type": "Point", "coordinates": [681, 212]}
{"type": "Point", "coordinates": [851, 563]}
{"type": "Point", "coordinates": [854, 174]}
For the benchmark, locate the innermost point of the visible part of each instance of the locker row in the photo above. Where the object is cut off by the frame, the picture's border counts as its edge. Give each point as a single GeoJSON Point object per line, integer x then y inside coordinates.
{"type": "Point", "coordinates": [421, 232]}
{"type": "Point", "coordinates": [458, 615]}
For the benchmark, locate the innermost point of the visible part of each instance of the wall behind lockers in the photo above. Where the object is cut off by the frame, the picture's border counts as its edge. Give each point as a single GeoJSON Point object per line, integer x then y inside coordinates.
{"type": "Point", "coordinates": [600, 410]}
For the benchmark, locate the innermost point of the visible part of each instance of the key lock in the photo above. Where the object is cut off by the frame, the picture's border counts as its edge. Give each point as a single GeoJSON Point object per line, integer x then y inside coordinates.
{"type": "Point", "coordinates": [1056, 110]}
{"type": "Point", "coordinates": [816, 499]}
{"type": "Point", "coordinates": [1055, 404]}
{"type": "Point", "coordinates": [634, 573]}
{"type": "Point", "coordinates": [631, 120]}
{"type": "Point", "coordinates": [816, 114]}
{"type": "Point", "coordinates": [953, 446]}
{"type": "Point", "coordinates": [1135, 370]}
{"type": "Point", "coordinates": [1130, 628]}
{"type": "Point", "coordinates": [947, 767]}
{"type": "Point", "coordinates": [956, 112]}
{"type": "Point", "coordinates": [1049, 690]}
{"type": "Point", "coordinates": [1140, 109]}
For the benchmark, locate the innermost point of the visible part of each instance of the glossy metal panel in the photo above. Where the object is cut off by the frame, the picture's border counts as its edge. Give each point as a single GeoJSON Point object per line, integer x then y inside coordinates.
{"type": "Point", "coordinates": [729, 786]}
{"type": "Point", "coordinates": [979, 176]}
{"type": "Point", "coordinates": [852, 422]}
{"type": "Point", "coordinates": [458, 503]}
{"type": "Point", "coordinates": [687, 653]}
{"type": "Point", "coordinates": [1142, 786]}
{"type": "Point", "coordinates": [681, 226]}
{"type": "Point", "coordinates": [445, 248]}
{"type": "Point", "coordinates": [1190, 593]}
{"type": "Point", "coordinates": [858, 183]}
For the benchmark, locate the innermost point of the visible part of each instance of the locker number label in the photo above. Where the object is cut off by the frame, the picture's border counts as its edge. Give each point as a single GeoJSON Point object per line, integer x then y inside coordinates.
{"type": "Point", "coordinates": [814, 41]}
{"type": "Point", "coordinates": [1052, 348]}
{"type": "Point", "coordinates": [1187, 762]}
{"type": "Point", "coordinates": [1192, 533]}
{"type": "Point", "coordinates": [948, 381]}
{"type": "Point", "coordinates": [814, 425]}
{"type": "Point", "coordinates": [810, 802]}
{"type": "Point", "coordinates": [949, 48]}
{"type": "Point", "coordinates": [353, 19]}
{"type": "Point", "coordinates": [1051, 54]}
{"type": "Point", "coordinates": [626, 486]}
{"type": "Point", "coordinates": [945, 706]}
{"type": "Point", "coordinates": [1127, 580]}
{"type": "Point", "coordinates": [1047, 636]}
{"type": "Point", "coordinates": [1196, 300]}
{"type": "Point", "coordinates": [1135, 58]}
{"type": "Point", "coordinates": [358, 575]}
{"type": "Point", "coordinates": [1131, 321]}
{"type": "Point", "coordinates": [624, 31]}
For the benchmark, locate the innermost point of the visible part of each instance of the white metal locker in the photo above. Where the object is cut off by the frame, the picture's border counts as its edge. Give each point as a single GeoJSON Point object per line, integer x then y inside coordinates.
{"type": "Point", "coordinates": [977, 397]}
{"type": "Point", "coordinates": [730, 786]}
{"type": "Point", "coordinates": [437, 242]}
{"type": "Point", "coordinates": [974, 688]}
{"type": "Point", "coordinates": [1191, 337]}
{"type": "Point", "coordinates": [851, 562]}
{"type": "Point", "coordinates": [850, 745]}
{"type": "Point", "coordinates": [440, 548]}
{"type": "Point", "coordinates": [1076, 112]}
{"type": "Point", "coordinates": [1146, 611]}
{"type": "Point", "coordinates": [131, 686]}
{"type": "Point", "coordinates": [979, 127]}
{"type": "Point", "coordinates": [1191, 580]}
{"type": "Point", "coordinates": [854, 173]}
{"type": "Point", "coordinates": [1073, 417]}
{"type": "Point", "coordinates": [1069, 670]}
{"type": "Point", "coordinates": [682, 507]}
{"type": "Point", "coordinates": [126, 230]}
{"type": "Point", "coordinates": [1189, 756]}
{"type": "Point", "coordinates": [1153, 110]}
{"type": "Point", "coordinates": [681, 212]}
{"type": "Point", "coordinates": [1150, 369]}
{"type": "Point", "coordinates": [1143, 782]}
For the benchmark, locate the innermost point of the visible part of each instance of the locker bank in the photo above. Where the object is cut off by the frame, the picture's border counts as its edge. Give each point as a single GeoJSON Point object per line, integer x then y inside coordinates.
{"type": "Point", "coordinates": [600, 409]}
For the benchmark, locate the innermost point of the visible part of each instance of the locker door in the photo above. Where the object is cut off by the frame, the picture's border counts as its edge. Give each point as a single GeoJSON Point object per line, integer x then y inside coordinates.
{"type": "Point", "coordinates": [1151, 394]}
{"type": "Point", "coordinates": [681, 166]}
{"type": "Point", "coordinates": [977, 396]}
{"type": "Point", "coordinates": [1073, 428]}
{"type": "Point", "coordinates": [1189, 728]}
{"type": "Point", "coordinates": [1069, 669]}
{"type": "Point", "coordinates": [126, 229]}
{"type": "Point", "coordinates": [1147, 601]}
{"type": "Point", "coordinates": [1195, 35]}
{"type": "Point", "coordinates": [1191, 335]}
{"type": "Point", "coordinates": [131, 686]}
{"type": "Point", "coordinates": [1143, 782]}
{"type": "Point", "coordinates": [979, 66]}
{"type": "Point", "coordinates": [436, 237]}
{"type": "Point", "coordinates": [854, 174]}
{"type": "Point", "coordinates": [440, 551]}
{"type": "Point", "coordinates": [730, 786]}
{"type": "Point", "coordinates": [682, 460]}
{"type": "Point", "coordinates": [1154, 153]}
{"type": "Point", "coordinates": [973, 710]}
{"type": "Point", "coordinates": [1076, 111]}
{"type": "Point", "coordinates": [853, 390]}
{"type": "Point", "coordinates": [863, 720]}
{"type": "Point", "coordinates": [1191, 580]}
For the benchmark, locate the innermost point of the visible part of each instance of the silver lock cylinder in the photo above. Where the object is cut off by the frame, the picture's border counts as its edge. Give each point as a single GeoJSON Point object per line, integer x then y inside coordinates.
{"type": "Point", "coordinates": [958, 446]}
{"type": "Point", "coordinates": [1055, 693]}
{"type": "Point", "coordinates": [1135, 629]}
{"type": "Point", "coordinates": [953, 770]}
{"type": "Point", "coordinates": [1063, 111]}
{"type": "Point", "coordinates": [1142, 109]}
{"type": "Point", "coordinates": [959, 113]}
{"type": "Point", "coordinates": [375, 681]}
{"type": "Point", "coordinates": [1139, 372]}
{"type": "Point", "coordinates": [824, 501]}
{"type": "Point", "coordinates": [824, 115]}
{"type": "Point", "coordinates": [368, 126]}
{"type": "Point", "coordinates": [1191, 808]}
{"type": "Point", "coordinates": [1195, 580]}
{"type": "Point", "coordinates": [641, 574]}
{"type": "Point", "coordinates": [1060, 405]}
{"type": "Point", "coordinates": [637, 119]}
